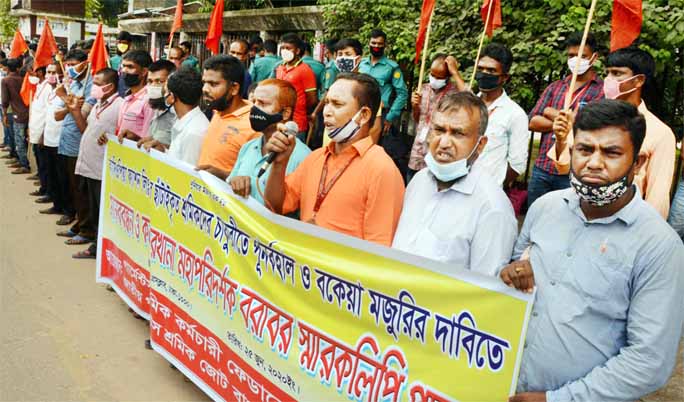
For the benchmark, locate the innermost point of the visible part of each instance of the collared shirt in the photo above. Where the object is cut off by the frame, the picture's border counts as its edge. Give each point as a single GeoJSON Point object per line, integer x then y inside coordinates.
{"type": "Point", "coordinates": [508, 138]}
{"type": "Point", "coordinates": [554, 96]}
{"type": "Point", "coordinates": [188, 135]}
{"type": "Point", "coordinates": [101, 120]}
{"type": "Point", "coordinates": [136, 114]}
{"type": "Point", "coordinates": [470, 225]}
{"type": "Point", "coordinates": [11, 88]}
{"type": "Point", "coordinates": [225, 136]}
{"type": "Point", "coordinates": [160, 126]}
{"type": "Point", "coordinates": [303, 79]}
{"type": "Point", "coordinates": [655, 177]}
{"type": "Point", "coordinates": [263, 67]}
{"type": "Point", "coordinates": [70, 139]}
{"type": "Point", "coordinates": [329, 76]}
{"type": "Point", "coordinates": [428, 102]}
{"type": "Point", "coordinates": [250, 159]}
{"type": "Point", "coordinates": [192, 62]}
{"type": "Point", "coordinates": [318, 69]}
{"type": "Point", "coordinates": [366, 200]}
{"type": "Point", "coordinates": [53, 128]}
{"type": "Point", "coordinates": [37, 114]}
{"type": "Point", "coordinates": [608, 314]}
{"type": "Point", "coordinates": [389, 76]}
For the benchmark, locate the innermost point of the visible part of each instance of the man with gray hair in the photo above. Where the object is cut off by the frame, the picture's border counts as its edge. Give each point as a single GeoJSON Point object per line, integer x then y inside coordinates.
{"type": "Point", "coordinates": [454, 212]}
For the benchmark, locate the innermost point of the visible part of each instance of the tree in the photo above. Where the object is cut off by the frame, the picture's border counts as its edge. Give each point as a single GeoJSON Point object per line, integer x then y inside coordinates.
{"type": "Point", "coordinates": [533, 29]}
{"type": "Point", "coordinates": [8, 24]}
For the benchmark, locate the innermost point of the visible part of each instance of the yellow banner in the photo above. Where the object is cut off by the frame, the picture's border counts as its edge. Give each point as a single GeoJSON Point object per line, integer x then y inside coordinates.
{"type": "Point", "coordinates": [256, 306]}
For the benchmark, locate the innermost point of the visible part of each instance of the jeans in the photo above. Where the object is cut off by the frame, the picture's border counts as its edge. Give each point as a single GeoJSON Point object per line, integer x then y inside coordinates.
{"type": "Point", "coordinates": [676, 219]}
{"type": "Point", "coordinates": [20, 143]}
{"type": "Point", "coordinates": [542, 183]}
{"type": "Point", "coordinates": [8, 136]}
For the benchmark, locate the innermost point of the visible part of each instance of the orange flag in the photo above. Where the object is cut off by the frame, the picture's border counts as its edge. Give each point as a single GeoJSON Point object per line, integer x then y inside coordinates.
{"type": "Point", "coordinates": [626, 23]}
{"type": "Point", "coordinates": [215, 28]}
{"type": "Point", "coordinates": [177, 20]}
{"type": "Point", "coordinates": [47, 48]}
{"type": "Point", "coordinates": [98, 56]}
{"type": "Point", "coordinates": [27, 90]}
{"type": "Point", "coordinates": [494, 15]}
{"type": "Point", "coordinates": [425, 13]}
{"type": "Point", "coordinates": [19, 46]}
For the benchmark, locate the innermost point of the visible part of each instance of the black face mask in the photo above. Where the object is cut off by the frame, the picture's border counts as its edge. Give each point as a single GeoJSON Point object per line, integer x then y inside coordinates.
{"type": "Point", "coordinates": [157, 104]}
{"type": "Point", "coordinates": [260, 120]}
{"type": "Point", "coordinates": [221, 103]}
{"type": "Point", "coordinates": [377, 51]}
{"type": "Point", "coordinates": [131, 80]}
{"type": "Point", "coordinates": [486, 81]}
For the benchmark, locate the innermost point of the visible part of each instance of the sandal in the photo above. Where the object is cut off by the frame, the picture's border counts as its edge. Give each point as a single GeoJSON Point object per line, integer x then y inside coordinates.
{"type": "Point", "coordinates": [65, 220]}
{"type": "Point", "coordinates": [67, 233]}
{"type": "Point", "coordinates": [84, 255]}
{"type": "Point", "coordinates": [78, 240]}
{"type": "Point", "coordinates": [36, 193]}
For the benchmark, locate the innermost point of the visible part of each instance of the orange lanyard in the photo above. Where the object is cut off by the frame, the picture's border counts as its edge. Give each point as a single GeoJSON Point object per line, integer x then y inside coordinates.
{"type": "Point", "coordinates": [323, 190]}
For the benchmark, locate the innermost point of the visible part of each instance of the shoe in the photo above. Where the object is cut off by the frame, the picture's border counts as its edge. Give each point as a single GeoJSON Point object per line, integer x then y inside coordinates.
{"type": "Point", "coordinates": [50, 211]}
{"type": "Point", "coordinates": [65, 220]}
{"type": "Point", "coordinates": [14, 165]}
{"type": "Point", "coordinates": [148, 344]}
{"type": "Point", "coordinates": [43, 200]}
{"type": "Point", "coordinates": [33, 177]}
{"type": "Point", "coordinates": [21, 170]}
{"type": "Point", "coordinates": [8, 156]}
{"type": "Point", "coordinates": [36, 183]}
{"type": "Point", "coordinates": [36, 193]}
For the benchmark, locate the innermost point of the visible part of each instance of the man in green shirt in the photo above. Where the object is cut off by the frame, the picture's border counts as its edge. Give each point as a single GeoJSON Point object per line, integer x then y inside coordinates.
{"type": "Point", "coordinates": [262, 67]}
{"type": "Point", "coordinates": [317, 67]}
{"type": "Point", "coordinates": [188, 59]}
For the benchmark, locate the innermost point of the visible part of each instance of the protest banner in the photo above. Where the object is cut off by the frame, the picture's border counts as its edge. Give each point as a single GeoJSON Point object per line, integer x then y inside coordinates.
{"type": "Point", "coordinates": [253, 306]}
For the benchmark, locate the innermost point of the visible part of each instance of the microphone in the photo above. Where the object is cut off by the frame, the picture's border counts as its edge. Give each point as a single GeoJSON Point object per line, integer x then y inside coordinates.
{"type": "Point", "coordinates": [291, 128]}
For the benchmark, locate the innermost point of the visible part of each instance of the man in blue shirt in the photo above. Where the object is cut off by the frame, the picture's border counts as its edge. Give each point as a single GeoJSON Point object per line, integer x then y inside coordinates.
{"type": "Point", "coordinates": [609, 273]}
{"type": "Point", "coordinates": [262, 67]}
{"type": "Point", "coordinates": [274, 102]}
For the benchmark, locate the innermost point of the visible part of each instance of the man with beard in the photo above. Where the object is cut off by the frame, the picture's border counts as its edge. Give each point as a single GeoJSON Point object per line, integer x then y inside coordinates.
{"type": "Point", "coordinates": [229, 128]}
{"type": "Point", "coordinates": [164, 117]}
{"type": "Point", "coordinates": [136, 114]}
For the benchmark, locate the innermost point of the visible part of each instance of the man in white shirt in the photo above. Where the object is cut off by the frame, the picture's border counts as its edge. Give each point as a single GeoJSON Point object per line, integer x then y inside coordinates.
{"type": "Point", "coordinates": [454, 212]}
{"type": "Point", "coordinates": [505, 156]}
{"type": "Point", "coordinates": [37, 126]}
{"type": "Point", "coordinates": [183, 93]}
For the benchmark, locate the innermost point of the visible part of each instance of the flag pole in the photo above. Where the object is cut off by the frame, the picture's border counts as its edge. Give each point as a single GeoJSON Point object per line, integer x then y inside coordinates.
{"type": "Point", "coordinates": [479, 49]}
{"type": "Point", "coordinates": [421, 75]}
{"type": "Point", "coordinates": [580, 52]}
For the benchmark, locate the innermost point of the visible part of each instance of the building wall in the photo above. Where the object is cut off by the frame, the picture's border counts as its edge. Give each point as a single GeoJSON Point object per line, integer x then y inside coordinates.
{"type": "Point", "coordinates": [73, 8]}
{"type": "Point", "coordinates": [66, 32]}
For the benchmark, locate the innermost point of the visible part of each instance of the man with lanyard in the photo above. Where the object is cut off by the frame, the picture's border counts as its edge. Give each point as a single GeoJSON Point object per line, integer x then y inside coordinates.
{"type": "Point", "coordinates": [444, 79]}
{"type": "Point", "coordinates": [391, 80]}
{"type": "Point", "coordinates": [351, 186]}
{"type": "Point", "coordinates": [454, 211]}
{"type": "Point", "coordinates": [607, 315]}
{"type": "Point", "coordinates": [135, 115]}
{"type": "Point", "coordinates": [545, 177]}
{"type": "Point", "coordinates": [300, 75]}
{"type": "Point", "coordinates": [505, 156]}
{"type": "Point", "coordinates": [630, 72]}
{"type": "Point", "coordinates": [274, 101]}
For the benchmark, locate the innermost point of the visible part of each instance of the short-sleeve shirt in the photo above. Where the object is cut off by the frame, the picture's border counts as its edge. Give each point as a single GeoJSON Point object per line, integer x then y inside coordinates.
{"type": "Point", "coordinates": [70, 139]}
{"type": "Point", "coordinates": [391, 80]}
{"type": "Point", "coordinates": [318, 69]}
{"type": "Point", "coordinates": [136, 114]}
{"type": "Point", "coordinates": [53, 128]}
{"type": "Point", "coordinates": [263, 67]}
{"type": "Point", "coordinates": [102, 119]}
{"type": "Point", "coordinates": [366, 200]}
{"type": "Point", "coordinates": [303, 79]}
{"type": "Point", "coordinates": [37, 115]}
{"type": "Point", "coordinates": [225, 136]}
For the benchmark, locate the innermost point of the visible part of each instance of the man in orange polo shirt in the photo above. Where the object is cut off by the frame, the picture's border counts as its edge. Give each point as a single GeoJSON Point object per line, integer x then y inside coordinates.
{"type": "Point", "coordinates": [351, 186]}
{"type": "Point", "coordinates": [229, 129]}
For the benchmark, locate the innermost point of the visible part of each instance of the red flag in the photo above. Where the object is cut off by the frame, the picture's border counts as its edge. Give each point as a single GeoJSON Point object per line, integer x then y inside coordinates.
{"type": "Point", "coordinates": [494, 15]}
{"type": "Point", "coordinates": [98, 56]}
{"type": "Point", "coordinates": [19, 46]}
{"type": "Point", "coordinates": [47, 48]}
{"type": "Point", "coordinates": [27, 90]}
{"type": "Point", "coordinates": [626, 23]}
{"type": "Point", "coordinates": [177, 20]}
{"type": "Point", "coordinates": [215, 28]}
{"type": "Point", "coordinates": [425, 14]}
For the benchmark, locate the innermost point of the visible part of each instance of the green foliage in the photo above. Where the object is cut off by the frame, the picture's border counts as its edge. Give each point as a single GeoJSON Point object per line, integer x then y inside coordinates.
{"type": "Point", "coordinates": [106, 11]}
{"type": "Point", "coordinates": [7, 23]}
{"type": "Point", "coordinates": [533, 29]}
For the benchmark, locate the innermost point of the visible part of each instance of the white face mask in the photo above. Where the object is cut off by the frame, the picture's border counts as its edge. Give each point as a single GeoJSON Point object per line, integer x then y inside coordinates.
{"type": "Point", "coordinates": [346, 132]}
{"type": "Point", "coordinates": [287, 55]}
{"type": "Point", "coordinates": [436, 83]}
{"type": "Point", "coordinates": [584, 65]}
{"type": "Point", "coordinates": [33, 80]}
{"type": "Point", "coordinates": [446, 172]}
{"type": "Point", "coordinates": [154, 91]}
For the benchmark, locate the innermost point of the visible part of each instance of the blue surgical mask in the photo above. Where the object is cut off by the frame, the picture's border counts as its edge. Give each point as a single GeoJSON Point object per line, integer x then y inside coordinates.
{"type": "Point", "coordinates": [446, 172]}
{"type": "Point", "coordinates": [73, 73]}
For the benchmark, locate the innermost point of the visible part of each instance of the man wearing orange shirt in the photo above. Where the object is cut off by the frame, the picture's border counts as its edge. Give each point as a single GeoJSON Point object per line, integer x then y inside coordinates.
{"type": "Point", "coordinates": [351, 186]}
{"type": "Point", "coordinates": [229, 129]}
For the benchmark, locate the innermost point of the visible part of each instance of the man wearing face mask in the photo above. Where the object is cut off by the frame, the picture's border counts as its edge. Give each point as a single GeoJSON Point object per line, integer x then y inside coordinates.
{"type": "Point", "coordinates": [545, 177]}
{"type": "Point", "coordinates": [300, 75]}
{"type": "Point", "coordinates": [505, 156]}
{"type": "Point", "coordinates": [136, 114]}
{"type": "Point", "coordinates": [630, 70]}
{"type": "Point", "coordinates": [608, 315]}
{"type": "Point", "coordinates": [454, 211]}
{"type": "Point", "coordinates": [36, 126]}
{"type": "Point", "coordinates": [351, 186]}
{"type": "Point", "coordinates": [391, 80]}
{"type": "Point", "coordinates": [274, 101]}
{"type": "Point", "coordinates": [229, 128]}
{"type": "Point", "coordinates": [11, 97]}
{"type": "Point", "coordinates": [444, 79]}
{"type": "Point", "coordinates": [50, 141]}
{"type": "Point", "coordinates": [123, 44]}
{"type": "Point", "coordinates": [164, 116]}
{"type": "Point", "coordinates": [262, 67]}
